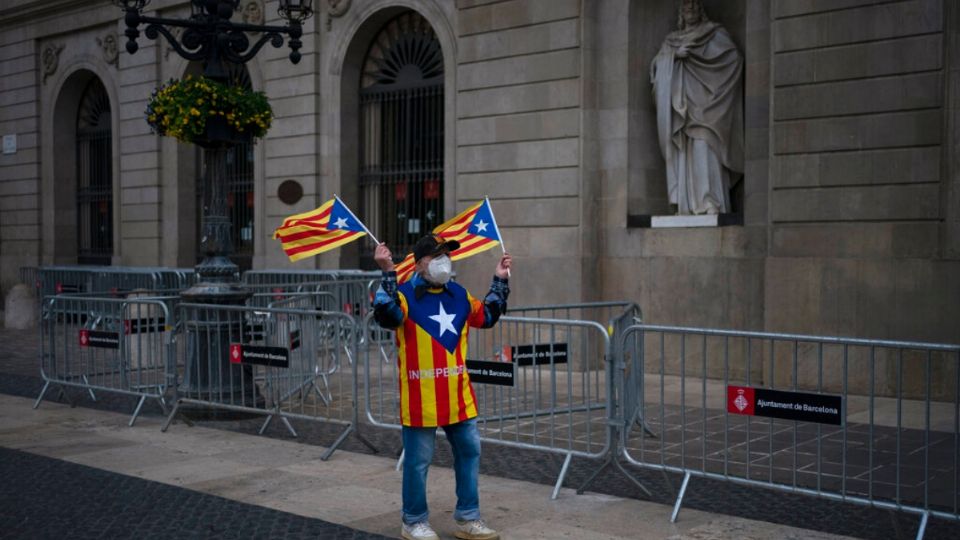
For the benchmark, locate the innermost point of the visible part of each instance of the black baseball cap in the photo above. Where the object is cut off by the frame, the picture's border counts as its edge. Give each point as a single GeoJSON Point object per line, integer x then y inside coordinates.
{"type": "Point", "coordinates": [431, 245]}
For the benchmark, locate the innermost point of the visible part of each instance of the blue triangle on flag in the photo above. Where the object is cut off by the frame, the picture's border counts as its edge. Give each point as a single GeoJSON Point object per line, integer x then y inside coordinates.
{"type": "Point", "coordinates": [342, 219]}
{"type": "Point", "coordinates": [482, 224]}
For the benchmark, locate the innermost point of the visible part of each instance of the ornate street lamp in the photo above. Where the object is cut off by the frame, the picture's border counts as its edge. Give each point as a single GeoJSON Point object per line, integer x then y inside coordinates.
{"type": "Point", "coordinates": [209, 36]}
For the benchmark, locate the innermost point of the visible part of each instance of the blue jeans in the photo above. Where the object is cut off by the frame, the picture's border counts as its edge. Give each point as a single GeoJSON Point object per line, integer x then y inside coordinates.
{"type": "Point", "coordinates": [418, 445]}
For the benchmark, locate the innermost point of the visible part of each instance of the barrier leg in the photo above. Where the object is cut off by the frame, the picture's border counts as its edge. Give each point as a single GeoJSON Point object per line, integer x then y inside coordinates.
{"type": "Point", "coordinates": [43, 392]}
{"type": "Point", "coordinates": [90, 390]}
{"type": "Point", "coordinates": [289, 427]}
{"type": "Point", "coordinates": [923, 525]}
{"type": "Point", "coordinates": [563, 474]}
{"type": "Point", "coordinates": [679, 501]}
{"type": "Point", "coordinates": [593, 476]}
{"type": "Point", "coordinates": [163, 405]}
{"type": "Point", "coordinates": [365, 442]}
{"type": "Point", "coordinates": [400, 460]}
{"type": "Point", "coordinates": [629, 475]}
{"type": "Point", "coordinates": [326, 384]}
{"type": "Point", "coordinates": [170, 417]}
{"type": "Point", "coordinates": [65, 396]}
{"type": "Point", "coordinates": [136, 412]}
{"type": "Point", "coordinates": [333, 447]}
{"type": "Point", "coordinates": [265, 424]}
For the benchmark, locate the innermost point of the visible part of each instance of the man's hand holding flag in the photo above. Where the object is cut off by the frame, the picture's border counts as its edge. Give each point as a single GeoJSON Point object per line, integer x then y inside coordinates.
{"type": "Point", "coordinates": [476, 230]}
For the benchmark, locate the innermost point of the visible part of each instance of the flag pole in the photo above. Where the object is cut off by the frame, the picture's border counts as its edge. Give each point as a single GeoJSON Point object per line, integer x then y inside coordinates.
{"type": "Point", "coordinates": [493, 217]}
{"type": "Point", "coordinates": [370, 234]}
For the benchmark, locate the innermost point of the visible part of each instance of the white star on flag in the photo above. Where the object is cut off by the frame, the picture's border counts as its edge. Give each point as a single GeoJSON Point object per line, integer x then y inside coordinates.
{"type": "Point", "coordinates": [481, 226]}
{"type": "Point", "coordinates": [340, 223]}
{"type": "Point", "coordinates": [445, 320]}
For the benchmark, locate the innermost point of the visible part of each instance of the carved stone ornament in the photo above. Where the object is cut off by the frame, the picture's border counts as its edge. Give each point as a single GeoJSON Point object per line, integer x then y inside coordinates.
{"type": "Point", "coordinates": [336, 8]}
{"type": "Point", "coordinates": [111, 52]}
{"type": "Point", "coordinates": [50, 59]}
{"type": "Point", "coordinates": [252, 12]}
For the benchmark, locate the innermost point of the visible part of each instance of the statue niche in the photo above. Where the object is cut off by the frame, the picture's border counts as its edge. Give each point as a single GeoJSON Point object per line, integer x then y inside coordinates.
{"type": "Point", "coordinates": [697, 79]}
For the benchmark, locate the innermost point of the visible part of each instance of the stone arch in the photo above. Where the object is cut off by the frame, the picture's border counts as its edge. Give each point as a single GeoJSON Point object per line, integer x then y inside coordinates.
{"type": "Point", "coordinates": [353, 41]}
{"type": "Point", "coordinates": [59, 168]}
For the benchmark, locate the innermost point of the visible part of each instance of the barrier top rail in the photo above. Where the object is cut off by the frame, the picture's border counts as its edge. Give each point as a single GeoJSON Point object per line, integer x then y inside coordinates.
{"type": "Point", "coordinates": [803, 337]}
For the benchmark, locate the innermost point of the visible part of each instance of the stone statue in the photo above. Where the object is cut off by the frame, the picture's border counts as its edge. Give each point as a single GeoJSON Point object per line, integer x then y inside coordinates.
{"type": "Point", "coordinates": [253, 12]}
{"type": "Point", "coordinates": [697, 84]}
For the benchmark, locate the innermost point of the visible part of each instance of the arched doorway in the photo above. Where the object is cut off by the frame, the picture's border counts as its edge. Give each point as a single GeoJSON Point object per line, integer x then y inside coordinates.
{"type": "Point", "coordinates": [94, 176]}
{"type": "Point", "coordinates": [401, 133]}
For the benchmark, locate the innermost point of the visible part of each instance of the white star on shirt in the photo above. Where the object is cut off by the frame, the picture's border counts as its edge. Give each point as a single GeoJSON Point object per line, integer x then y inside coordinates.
{"type": "Point", "coordinates": [481, 226]}
{"type": "Point", "coordinates": [445, 320]}
{"type": "Point", "coordinates": [340, 223]}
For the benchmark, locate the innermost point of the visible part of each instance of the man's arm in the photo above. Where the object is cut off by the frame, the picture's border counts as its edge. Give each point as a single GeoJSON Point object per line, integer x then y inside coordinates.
{"type": "Point", "coordinates": [386, 304]}
{"type": "Point", "coordinates": [495, 303]}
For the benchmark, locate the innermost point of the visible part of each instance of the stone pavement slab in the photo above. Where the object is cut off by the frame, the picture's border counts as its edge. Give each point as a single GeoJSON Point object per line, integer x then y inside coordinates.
{"type": "Point", "coordinates": [358, 491]}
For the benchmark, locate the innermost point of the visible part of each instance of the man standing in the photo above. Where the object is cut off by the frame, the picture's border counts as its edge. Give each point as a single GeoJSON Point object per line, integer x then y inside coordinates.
{"type": "Point", "coordinates": [432, 316]}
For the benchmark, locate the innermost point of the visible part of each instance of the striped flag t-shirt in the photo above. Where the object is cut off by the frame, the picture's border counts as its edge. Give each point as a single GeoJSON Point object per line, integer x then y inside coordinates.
{"type": "Point", "coordinates": [435, 388]}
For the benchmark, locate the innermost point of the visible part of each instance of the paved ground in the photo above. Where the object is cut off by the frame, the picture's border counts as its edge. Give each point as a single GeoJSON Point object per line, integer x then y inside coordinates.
{"type": "Point", "coordinates": [79, 472]}
{"type": "Point", "coordinates": [18, 377]}
{"type": "Point", "coordinates": [51, 498]}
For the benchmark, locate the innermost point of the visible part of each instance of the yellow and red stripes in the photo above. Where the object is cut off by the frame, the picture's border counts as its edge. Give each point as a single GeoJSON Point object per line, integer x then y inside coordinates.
{"type": "Point", "coordinates": [304, 235]}
{"type": "Point", "coordinates": [457, 229]}
{"type": "Point", "coordinates": [437, 400]}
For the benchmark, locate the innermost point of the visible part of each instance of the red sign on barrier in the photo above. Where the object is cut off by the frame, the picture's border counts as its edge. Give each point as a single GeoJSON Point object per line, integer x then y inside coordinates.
{"type": "Point", "coordinates": [236, 353]}
{"type": "Point", "coordinates": [740, 400]}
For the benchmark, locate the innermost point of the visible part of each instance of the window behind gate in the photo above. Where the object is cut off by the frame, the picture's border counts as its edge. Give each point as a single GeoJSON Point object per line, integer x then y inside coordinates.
{"type": "Point", "coordinates": [94, 176]}
{"type": "Point", "coordinates": [401, 133]}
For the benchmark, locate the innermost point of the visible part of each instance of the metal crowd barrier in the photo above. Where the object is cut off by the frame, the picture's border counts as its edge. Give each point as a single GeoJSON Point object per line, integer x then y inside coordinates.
{"type": "Point", "coordinates": [53, 280]}
{"type": "Point", "coordinates": [290, 276]}
{"type": "Point", "coordinates": [107, 344]}
{"type": "Point", "coordinates": [869, 422]}
{"type": "Point", "coordinates": [267, 361]}
{"type": "Point", "coordinates": [539, 384]}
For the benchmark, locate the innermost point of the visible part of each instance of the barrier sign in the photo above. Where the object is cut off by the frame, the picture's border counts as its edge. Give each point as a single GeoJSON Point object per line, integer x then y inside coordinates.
{"type": "Point", "coordinates": [539, 354]}
{"type": "Point", "coordinates": [65, 288]}
{"type": "Point", "coordinates": [262, 356]}
{"type": "Point", "coordinates": [804, 407]}
{"type": "Point", "coordinates": [96, 338]}
{"type": "Point", "coordinates": [484, 372]}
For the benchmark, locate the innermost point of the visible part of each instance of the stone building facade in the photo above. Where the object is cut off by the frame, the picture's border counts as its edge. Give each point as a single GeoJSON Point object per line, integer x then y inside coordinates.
{"type": "Point", "coordinates": [848, 214]}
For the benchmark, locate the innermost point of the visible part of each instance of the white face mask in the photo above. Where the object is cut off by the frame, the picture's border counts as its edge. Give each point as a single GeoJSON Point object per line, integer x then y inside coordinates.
{"type": "Point", "coordinates": [439, 270]}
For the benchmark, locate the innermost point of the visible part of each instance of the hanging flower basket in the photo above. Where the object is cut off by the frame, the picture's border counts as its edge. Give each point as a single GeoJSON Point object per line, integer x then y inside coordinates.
{"type": "Point", "coordinates": [208, 113]}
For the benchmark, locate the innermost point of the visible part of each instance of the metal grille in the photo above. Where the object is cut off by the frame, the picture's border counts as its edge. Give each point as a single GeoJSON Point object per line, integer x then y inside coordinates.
{"type": "Point", "coordinates": [401, 134]}
{"type": "Point", "coordinates": [240, 198]}
{"type": "Point", "coordinates": [94, 177]}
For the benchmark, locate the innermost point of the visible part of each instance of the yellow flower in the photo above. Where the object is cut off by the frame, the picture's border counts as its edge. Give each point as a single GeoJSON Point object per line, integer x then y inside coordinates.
{"type": "Point", "coordinates": [194, 112]}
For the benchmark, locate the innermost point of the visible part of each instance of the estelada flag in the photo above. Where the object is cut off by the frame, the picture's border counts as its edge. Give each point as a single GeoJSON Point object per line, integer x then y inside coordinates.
{"type": "Point", "coordinates": [475, 228]}
{"type": "Point", "coordinates": [310, 233]}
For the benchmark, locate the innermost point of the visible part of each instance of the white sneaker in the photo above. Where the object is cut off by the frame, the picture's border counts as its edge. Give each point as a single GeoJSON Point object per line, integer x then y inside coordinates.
{"type": "Point", "coordinates": [475, 530]}
{"type": "Point", "coordinates": [418, 531]}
